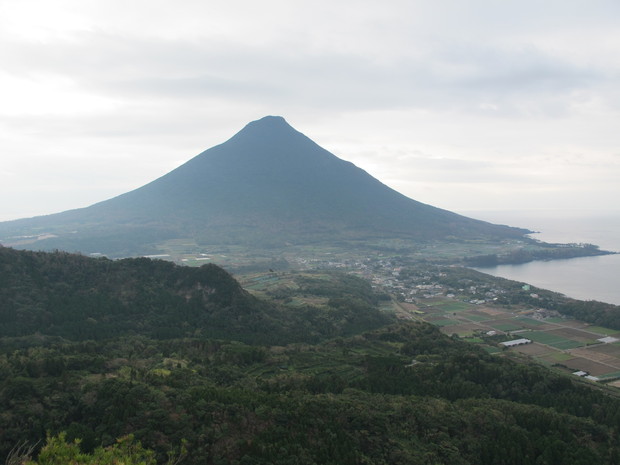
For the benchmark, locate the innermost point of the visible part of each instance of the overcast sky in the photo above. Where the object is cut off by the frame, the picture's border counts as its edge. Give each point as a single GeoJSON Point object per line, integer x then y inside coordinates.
{"type": "Point", "coordinates": [462, 104]}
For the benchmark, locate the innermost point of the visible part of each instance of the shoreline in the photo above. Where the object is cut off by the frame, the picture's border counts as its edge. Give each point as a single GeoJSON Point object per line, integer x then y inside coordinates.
{"type": "Point", "coordinates": [546, 252]}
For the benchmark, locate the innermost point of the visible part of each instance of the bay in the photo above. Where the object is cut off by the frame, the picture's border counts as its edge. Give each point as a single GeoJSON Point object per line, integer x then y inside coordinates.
{"type": "Point", "coordinates": [586, 278]}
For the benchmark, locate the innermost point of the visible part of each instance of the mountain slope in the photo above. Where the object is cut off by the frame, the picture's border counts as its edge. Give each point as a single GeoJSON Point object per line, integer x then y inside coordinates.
{"type": "Point", "coordinates": [81, 298]}
{"type": "Point", "coordinates": [267, 185]}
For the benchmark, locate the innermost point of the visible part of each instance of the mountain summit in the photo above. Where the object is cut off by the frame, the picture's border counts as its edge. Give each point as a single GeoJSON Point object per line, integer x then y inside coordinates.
{"type": "Point", "coordinates": [268, 185]}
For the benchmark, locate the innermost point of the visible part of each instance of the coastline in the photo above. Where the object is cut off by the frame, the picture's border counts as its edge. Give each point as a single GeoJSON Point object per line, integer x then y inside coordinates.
{"type": "Point", "coordinates": [589, 277]}
{"type": "Point", "coordinates": [547, 252]}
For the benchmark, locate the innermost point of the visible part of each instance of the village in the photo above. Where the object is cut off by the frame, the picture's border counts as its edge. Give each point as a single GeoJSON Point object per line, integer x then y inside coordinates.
{"type": "Point", "coordinates": [502, 316]}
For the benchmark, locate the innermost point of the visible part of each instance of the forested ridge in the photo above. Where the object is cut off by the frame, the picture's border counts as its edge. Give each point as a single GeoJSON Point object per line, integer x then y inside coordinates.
{"type": "Point", "coordinates": [401, 393]}
{"type": "Point", "coordinates": [81, 298]}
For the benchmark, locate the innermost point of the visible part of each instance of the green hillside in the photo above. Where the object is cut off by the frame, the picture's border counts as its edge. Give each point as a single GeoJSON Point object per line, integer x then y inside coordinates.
{"type": "Point", "coordinates": [350, 401]}
{"type": "Point", "coordinates": [78, 298]}
{"type": "Point", "coordinates": [186, 362]}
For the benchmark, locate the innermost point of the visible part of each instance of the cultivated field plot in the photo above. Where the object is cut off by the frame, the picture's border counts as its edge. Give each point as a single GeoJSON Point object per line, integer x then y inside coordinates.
{"type": "Point", "coordinates": [491, 311]}
{"type": "Point", "coordinates": [553, 340]}
{"type": "Point", "coordinates": [439, 321]}
{"type": "Point", "coordinates": [506, 325]}
{"type": "Point", "coordinates": [430, 312]}
{"type": "Point", "coordinates": [460, 328]}
{"type": "Point", "coordinates": [598, 353]}
{"type": "Point", "coordinates": [453, 306]}
{"type": "Point", "coordinates": [555, 356]}
{"type": "Point", "coordinates": [531, 323]}
{"type": "Point", "coordinates": [480, 314]}
{"type": "Point", "coordinates": [556, 341]}
{"type": "Point", "coordinates": [602, 331]}
{"type": "Point", "coordinates": [570, 323]}
{"type": "Point", "coordinates": [534, 350]}
{"type": "Point", "coordinates": [613, 375]}
{"type": "Point", "coordinates": [475, 317]}
{"type": "Point", "coordinates": [412, 308]}
{"type": "Point", "coordinates": [575, 335]}
{"type": "Point", "coordinates": [611, 350]}
{"type": "Point", "coordinates": [592, 367]}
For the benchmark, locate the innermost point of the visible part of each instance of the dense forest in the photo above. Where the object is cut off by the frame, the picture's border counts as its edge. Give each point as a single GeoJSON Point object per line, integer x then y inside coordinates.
{"type": "Point", "coordinates": [80, 298]}
{"type": "Point", "coordinates": [376, 392]}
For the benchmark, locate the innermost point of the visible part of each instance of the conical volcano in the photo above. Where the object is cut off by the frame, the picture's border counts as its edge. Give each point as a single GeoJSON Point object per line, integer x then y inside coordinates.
{"type": "Point", "coordinates": [268, 185]}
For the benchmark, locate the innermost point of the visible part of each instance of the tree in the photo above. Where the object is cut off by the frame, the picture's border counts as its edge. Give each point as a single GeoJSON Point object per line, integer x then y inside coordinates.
{"type": "Point", "coordinates": [57, 451]}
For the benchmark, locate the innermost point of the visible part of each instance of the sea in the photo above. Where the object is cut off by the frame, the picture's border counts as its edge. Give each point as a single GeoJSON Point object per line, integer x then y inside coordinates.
{"type": "Point", "coordinates": [585, 278]}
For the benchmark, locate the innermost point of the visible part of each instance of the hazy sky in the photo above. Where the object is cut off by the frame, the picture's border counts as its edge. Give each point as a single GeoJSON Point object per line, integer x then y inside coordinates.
{"type": "Point", "coordinates": [463, 104]}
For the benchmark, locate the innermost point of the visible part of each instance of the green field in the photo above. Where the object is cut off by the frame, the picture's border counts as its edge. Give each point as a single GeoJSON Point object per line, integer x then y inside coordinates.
{"type": "Point", "coordinates": [553, 340]}
{"type": "Point", "coordinates": [602, 331]}
{"type": "Point", "coordinates": [567, 344]}
{"type": "Point", "coordinates": [545, 338]}
{"type": "Point", "coordinates": [530, 321]}
{"type": "Point", "coordinates": [453, 306]}
{"type": "Point", "coordinates": [507, 327]}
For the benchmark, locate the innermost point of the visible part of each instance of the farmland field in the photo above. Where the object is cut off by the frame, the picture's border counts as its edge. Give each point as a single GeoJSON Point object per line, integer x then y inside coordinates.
{"type": "Point", "coordinates": [478, 318]}
{"type": "Point", "coordinates": [506, 326]}
{"type": "Point", "coordinates": [603, 331]}
{"type": "Point", "coordinates": [558, 357]}
{"type": "Point", "coordinates": [533, 349]}
{"type": "Point", "coordinates": [557, 341]}
{"type": "Point", "coordinates": [445, 322]}
{"type": "Point", "coordinates": [453, 306]}
{"type": "Point", "coordinates": [530, 321]}
{"type": "Point", "coordinates": [590, 366]}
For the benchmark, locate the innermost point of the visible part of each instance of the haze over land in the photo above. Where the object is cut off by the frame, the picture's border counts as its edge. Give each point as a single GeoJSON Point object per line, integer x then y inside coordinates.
{"type": "Point", "coordinates": [465, 106]}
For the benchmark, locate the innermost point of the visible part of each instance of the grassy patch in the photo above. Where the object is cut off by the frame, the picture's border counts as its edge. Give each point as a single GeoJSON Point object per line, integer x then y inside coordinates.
{"type": "Point", "coordinates": [560, 356]}
{"type": "Point", "coordinates": [601, 330]}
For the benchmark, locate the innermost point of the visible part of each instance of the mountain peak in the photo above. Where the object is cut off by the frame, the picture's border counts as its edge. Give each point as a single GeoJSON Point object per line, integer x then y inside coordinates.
{"type": "Point", "coordinates": [270, 120]}
{"type": "Point", "coordinates": [267, 127]}
{"type": "Point", "coordinates": [267, 185]}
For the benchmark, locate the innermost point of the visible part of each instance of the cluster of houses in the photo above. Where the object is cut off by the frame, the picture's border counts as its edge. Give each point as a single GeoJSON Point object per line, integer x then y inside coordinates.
{"type": "Point", "coordinates": [386, 274]}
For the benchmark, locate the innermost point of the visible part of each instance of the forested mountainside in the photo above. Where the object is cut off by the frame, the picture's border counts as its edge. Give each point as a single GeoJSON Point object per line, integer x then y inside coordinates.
{"type": "Point", "coordinates": [81, 298]}
{"type": "Point", "coordinates": [404, 394]}
{"type": "Point", "coordinates": [243, 381]}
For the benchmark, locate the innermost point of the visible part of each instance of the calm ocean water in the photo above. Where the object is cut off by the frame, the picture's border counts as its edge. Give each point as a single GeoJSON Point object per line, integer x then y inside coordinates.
{"type": "Point", "coordinates": [588, 278]}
